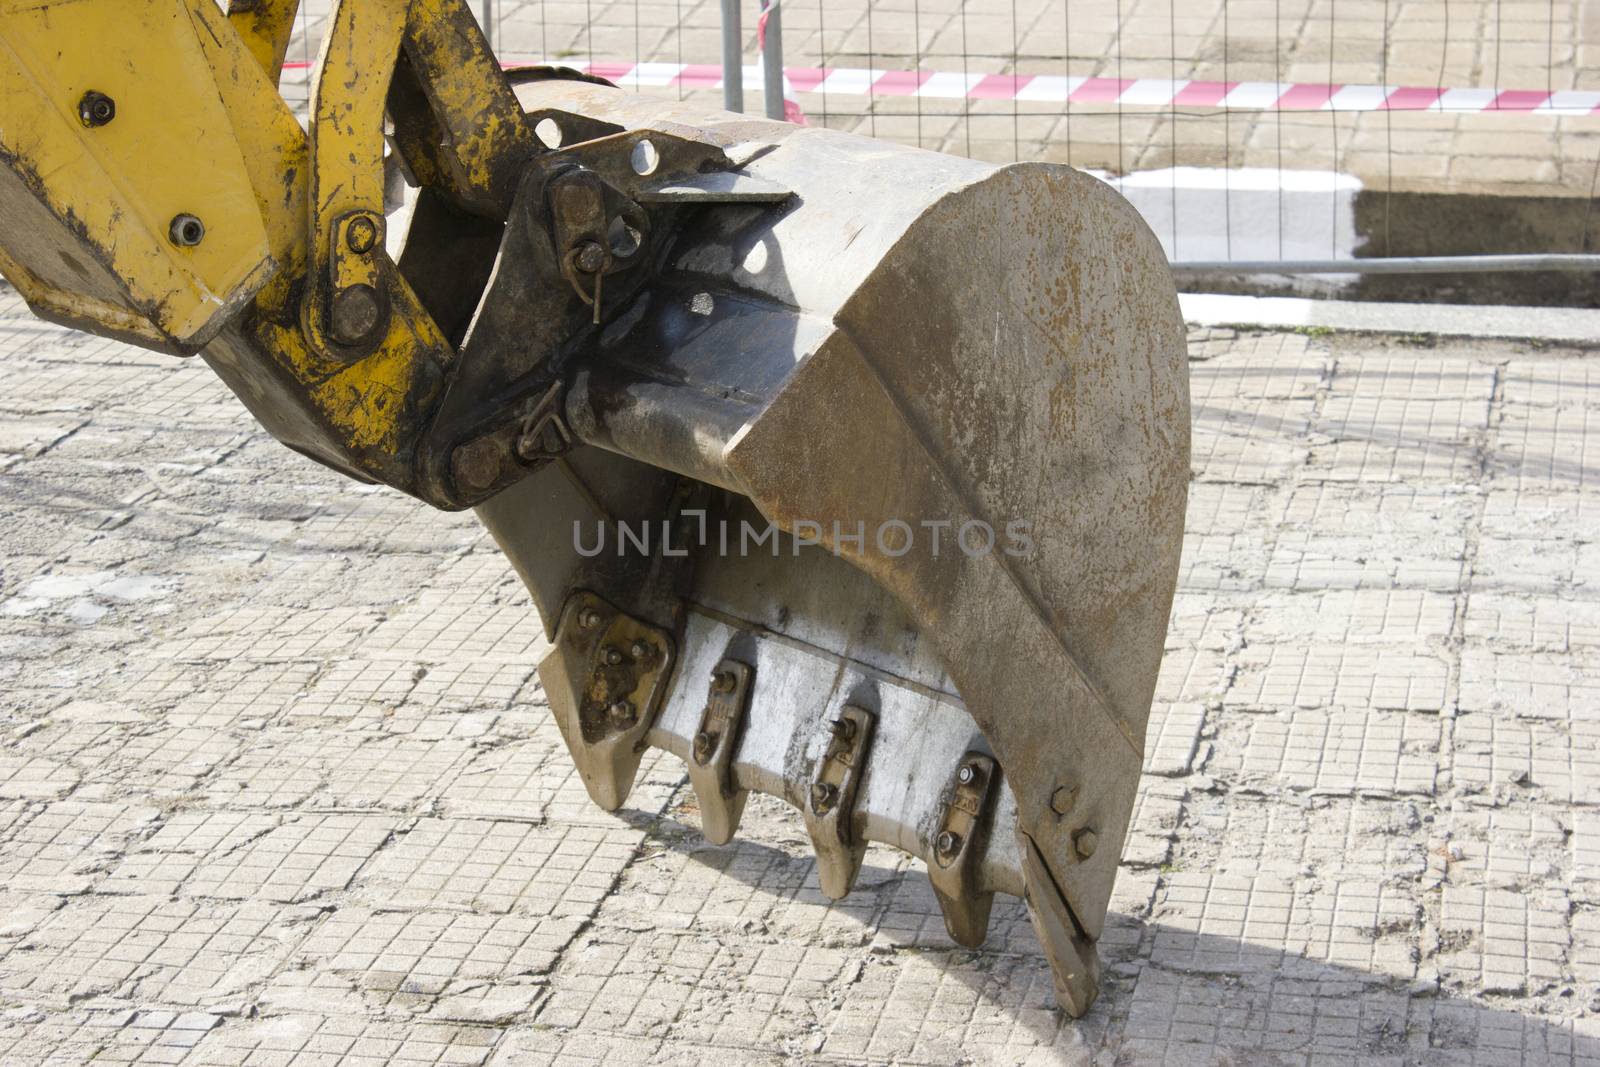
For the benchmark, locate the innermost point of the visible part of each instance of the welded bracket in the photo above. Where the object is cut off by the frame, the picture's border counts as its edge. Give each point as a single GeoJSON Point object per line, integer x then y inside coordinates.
{"type": "Point", "coordinates": [830, 805]}
{"type": "Point", "coordinates": [957, 847]}
{"type": "Point", "coordinates": [711, 755]}
{"type": "Point", "coordinates": [617, 667]}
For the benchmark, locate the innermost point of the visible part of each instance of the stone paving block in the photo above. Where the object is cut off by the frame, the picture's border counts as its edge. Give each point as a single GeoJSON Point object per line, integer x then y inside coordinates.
{"type": "Point", "coordinates": [1404, 618]}
{"type": "Point", "coordinates": [311, 1038]}
{"type": "Point", "coordinates": [1172, 738]}
{"type": "Point", "coordinates": [256, 857]}
{"type": "Point", "coordinates": [1535, 685]}
{"type": "Point", "coordinates": [1499, 941]}
{"type": "Point", "coordinates": [476, 609]}
{"type": "Point", "coordinates": [497, 867]}
{"type": "Point", "coordinates": [1305, 561]}
{"type": "Point", "coordinates": [69, 845]}
{"type": "Point", "coordinates": [1435, 514]}
{"type": "Point", "coordinates": [472, 968]}
{"type": "Point", "coordinates": [1206, 620]}
{"type": "Point", "coordinates": [112, 950]}
{"type": "Point", "coordinates": [28, 777]}
{"type": "Point", "coordinates": [1559, 515]}
{"type": "Point", "coordinates": [1527, 565]}
{"type": "Point", "coordinates": [1179, 1019]}
{"type": "Point", "coordinates": [1329, 838]}
{"type": "Point", "coordinates": [1546, 448]}
{"type": "Point", "coordinates": [1502, 759]}
{"type": "Point", "coordinates": [1213, 923]}
{"type": "Point", "coordinates": [1532, 621]}
{"type": "Point", "coordinates": [1259, 443]}
{"type": "Point", "coordinates": [1397, 439]}
{"type": "Point", "coordinates": [1335, 753]}
{"type": "Point", "coordinates": [1192, 675]}
{"type": "Point", "coordinates": [1346, 676]}
{"type": "Point", "coordinates": [1504, 848]}
{"type": "Point", "coordinates": [264, 634]}
{"type": "Point", "coordinates": [1223, 561]}
{"type": "Point", "coordinates": [1227, 507]}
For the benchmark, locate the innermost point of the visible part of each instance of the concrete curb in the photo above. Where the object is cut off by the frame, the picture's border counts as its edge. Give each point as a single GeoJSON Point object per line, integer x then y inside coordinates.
{"type": "Point", "coordinates": [1552, 325]}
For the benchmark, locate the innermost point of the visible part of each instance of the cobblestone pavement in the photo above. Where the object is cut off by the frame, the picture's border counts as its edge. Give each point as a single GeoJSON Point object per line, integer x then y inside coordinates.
{"type": "Point", "coordinates": [277, 783]}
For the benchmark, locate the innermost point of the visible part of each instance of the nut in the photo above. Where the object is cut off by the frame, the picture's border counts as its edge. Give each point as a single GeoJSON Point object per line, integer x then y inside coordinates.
{"type": "Point", "coordinates": [947, 843]}
{"type": "Point", "coordinates": [475, 466]}
{"type": "Point", "coordinates": [612, 656]}
{"type": "Point", "coordinates": [1062, 800]}
{"type": "Point", "coordinates": [703, 744]}
{"type": "Point", "coordinates": [621, 714]}
{"type": "Point", "coordinates": [823, 796]}
{"type": "Point", "coordinates": [967, 774]}
{"type": "Point", "coordinates": [639, 650]}
{"type": "Point", "coordinates": [96, 109]}
{"type": "Point", "coordinates": [186, 231]}
{"type": "Point", "coordinates": [723, 682]}
{"type": "Point", "coordinates": [588, 618]}
{"type": "Point", "coordinates": [1084, 842]}
{"type": "Point", "coordinates": [843, 729]}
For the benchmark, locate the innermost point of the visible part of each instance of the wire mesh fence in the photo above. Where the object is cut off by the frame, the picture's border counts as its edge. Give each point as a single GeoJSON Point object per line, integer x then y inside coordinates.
{"type": "Point", "coordinates": [1243, 129]}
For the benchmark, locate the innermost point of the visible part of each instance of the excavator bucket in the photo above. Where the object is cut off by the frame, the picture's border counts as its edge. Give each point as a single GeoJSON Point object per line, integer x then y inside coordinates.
{"type": "Point", "coordinates": [845, 472]}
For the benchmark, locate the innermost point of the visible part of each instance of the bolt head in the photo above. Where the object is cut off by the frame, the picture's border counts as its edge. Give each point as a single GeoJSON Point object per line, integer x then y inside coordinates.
{"type": "Point", "coordinates": [357, 310]}
{"type": "Point", "coordinates": [823, 797]}
{"type": "Point", "coordinates": [702, 746]}
{"type": "Point", "coordinates": [590, 258]}
{"type": "Point", "coordinates": [361, 234]}
{"type": "Point", "coordinates": [475, 466]}
{"type": "Point", "coordinates": [622, 714]}
{"type": "Point", "coordinates": [588, 618]}
{"type": "Point", "coordinates": [947, 843]}
{"type": "Point", "coordinates": [1062, 800]}
{"type": "Point", "coordinates": [967, 774]}
{"type": "Point", "coordinates": [639, 650]}
{"type": "Point", "coordinates": [612, 656]}
{"type": "Point", "coordinates": [1084, 842]}
{"type": "Point", "coordinates": [723, 682]}
{"type": "Point", "coordinates": [843, 729]}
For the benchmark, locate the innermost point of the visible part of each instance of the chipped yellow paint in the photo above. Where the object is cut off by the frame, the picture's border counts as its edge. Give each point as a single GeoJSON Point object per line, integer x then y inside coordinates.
{"type": "Point", "coordinates": [265, 27]}
{"type": "Point", "coordinates": [198, 130]}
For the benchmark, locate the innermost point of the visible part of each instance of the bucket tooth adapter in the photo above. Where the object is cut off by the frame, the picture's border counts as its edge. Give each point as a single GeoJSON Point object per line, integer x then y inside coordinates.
{"type": "Point", "coordinates": [845, 472]}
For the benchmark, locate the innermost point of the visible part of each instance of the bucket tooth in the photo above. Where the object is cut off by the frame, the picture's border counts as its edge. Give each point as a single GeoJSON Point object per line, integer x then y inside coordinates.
{"type": "Point", "coordinates": [712, 749]}
{"type": "Point", "coordinates": [960, 841]}
{"type": "Point", "coordinates": [830, 802]}
{"type": "Point", "coordinates": [609, 670]}
{"type": "Point", "coordinates": [1074, 964]}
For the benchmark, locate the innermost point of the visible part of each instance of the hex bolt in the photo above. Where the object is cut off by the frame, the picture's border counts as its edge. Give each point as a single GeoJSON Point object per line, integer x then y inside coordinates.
{"type": "Point", "coordinates": [357, 310]}
{"type": "Point", "coordinates": [612, 656]}
{"type": "Point", "coordinates": [361, 235]}
{"type": "Point", "coordinates": [588, 618]}
{"type": "Point", "coordinates": [823, 797]}
{"type": "Point", "coordinates": [967, 774]}
{"type": "Point", "coordinates": [639, 650]}
{"type": "Point", "coordinates": [1084, 843]}
{"type": "Point", "coordinates": [475, 466]}
{"type": "Point", "coordinates": [96, 109]}
{"type": "Point", "coordinates": [1063, 798]}
{"type": "Point", "coordinates": [589, 258]}
{"type": "Point", "coordinates": [621, 714]}
{"type": "Point", "coordinates": [947, 843]}
{"type": "Point", "coordinates": [703, 745]}
{"type": "Point", "coordinates": [186, 231]}
{"type": "Point", "coordinates": [723, 682]}
{"type": "Point", "coordinates": [843, 729]}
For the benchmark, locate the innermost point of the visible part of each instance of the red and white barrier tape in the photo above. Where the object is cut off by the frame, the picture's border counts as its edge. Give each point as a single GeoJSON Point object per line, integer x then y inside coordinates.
{"type": "Point", "coordinates": [1128, 92]}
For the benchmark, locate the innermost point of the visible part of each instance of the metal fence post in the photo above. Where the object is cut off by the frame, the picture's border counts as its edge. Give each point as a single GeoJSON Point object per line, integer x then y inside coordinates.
{"type": "Point", "coordinates": [772, 57]}
{"type": "Point", "coordinates": [732, 57]}
{"type": "Point", "coordinates": [488, 23]}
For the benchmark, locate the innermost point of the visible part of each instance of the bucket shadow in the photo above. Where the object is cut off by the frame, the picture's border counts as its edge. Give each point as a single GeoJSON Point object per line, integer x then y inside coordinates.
{"type": "Point", "coordinates": [1169, 995]}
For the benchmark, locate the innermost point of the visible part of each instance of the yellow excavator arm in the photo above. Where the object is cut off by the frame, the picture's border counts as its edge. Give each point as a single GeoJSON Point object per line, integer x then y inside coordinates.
{"type": "Point", "coordinates": [846, 472]}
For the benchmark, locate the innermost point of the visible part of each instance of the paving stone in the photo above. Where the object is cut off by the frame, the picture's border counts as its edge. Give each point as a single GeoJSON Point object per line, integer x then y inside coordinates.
{"type": "Point", "coordinates": [1499, 941]}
